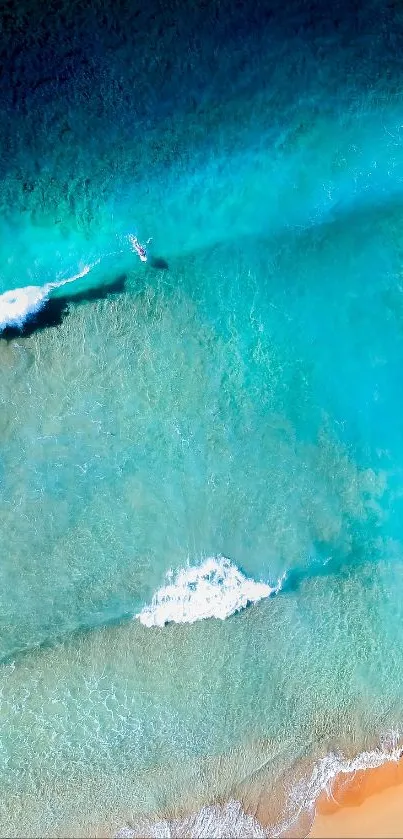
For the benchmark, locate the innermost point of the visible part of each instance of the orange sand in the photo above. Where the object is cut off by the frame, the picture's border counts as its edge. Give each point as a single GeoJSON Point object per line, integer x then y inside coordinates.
{"type": "Point", "coordinates": [366, 804]}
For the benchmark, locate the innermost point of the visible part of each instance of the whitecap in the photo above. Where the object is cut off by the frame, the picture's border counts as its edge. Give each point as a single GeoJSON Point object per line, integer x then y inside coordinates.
{"type": "Point", "coordinates": [214, 589]}
{"type": "Point", "coordinates": [19, 304]}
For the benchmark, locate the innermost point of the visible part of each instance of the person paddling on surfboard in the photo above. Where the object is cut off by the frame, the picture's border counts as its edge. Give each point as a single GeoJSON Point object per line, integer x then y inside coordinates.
{"type": "Point", "coordinates": [138, 247]}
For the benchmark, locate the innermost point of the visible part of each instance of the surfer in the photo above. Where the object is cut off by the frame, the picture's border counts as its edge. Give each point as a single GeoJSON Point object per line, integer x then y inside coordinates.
{"type": "Point", "coordinates": [140, 249]}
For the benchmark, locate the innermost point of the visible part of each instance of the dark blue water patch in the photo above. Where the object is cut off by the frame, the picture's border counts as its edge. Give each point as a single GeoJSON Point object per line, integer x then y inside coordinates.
{"type": "Point", "coordinates": [66, 70]}
{"type": "Point", "coordinates": [73, 41]}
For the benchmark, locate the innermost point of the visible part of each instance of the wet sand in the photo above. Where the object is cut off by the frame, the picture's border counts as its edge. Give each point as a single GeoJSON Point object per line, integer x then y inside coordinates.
{"type": "Point", "coordinates": [367, 804]}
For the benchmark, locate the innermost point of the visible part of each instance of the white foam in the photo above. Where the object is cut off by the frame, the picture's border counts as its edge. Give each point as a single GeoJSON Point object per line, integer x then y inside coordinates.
{"type": "Point", "coordinates": [18, 305]}
{"type": "Point", "coordinates": [230, 819]}
{"type": "Point", "coordinates": [306, 792]}
{"type": "Point", "coordinates": [214, 589]}
{"type": "Point", "coordinates": [215, 821]}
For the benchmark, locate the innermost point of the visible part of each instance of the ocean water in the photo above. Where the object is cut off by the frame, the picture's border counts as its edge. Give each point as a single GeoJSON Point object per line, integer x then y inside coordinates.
{"type": "Point", "coordinates": [201, 456]}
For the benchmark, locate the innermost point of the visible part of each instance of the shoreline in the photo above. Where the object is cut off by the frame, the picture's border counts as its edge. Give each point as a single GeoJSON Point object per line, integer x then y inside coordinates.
{"type": "Point", "coordinates": [367, 803]}
{"type": "Point", "coordinates": [338, 799]}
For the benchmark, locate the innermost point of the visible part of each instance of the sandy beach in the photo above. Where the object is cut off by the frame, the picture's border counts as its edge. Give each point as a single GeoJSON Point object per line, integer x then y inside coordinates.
{"type": "Point", "coordinates": [368, 803]}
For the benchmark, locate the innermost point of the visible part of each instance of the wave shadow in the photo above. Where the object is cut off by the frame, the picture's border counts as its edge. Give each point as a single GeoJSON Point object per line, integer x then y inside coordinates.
{"type": "Point", "coordinates": [158, 262]}
{"type": "Point", "coordinates": [55, 309]}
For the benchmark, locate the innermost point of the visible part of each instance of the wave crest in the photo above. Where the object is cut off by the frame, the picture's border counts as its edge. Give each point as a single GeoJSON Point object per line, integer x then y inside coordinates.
{"type": "Point", "coordinates": [19, 304]}
{"type": "Point", "coordinates": [214, 589]}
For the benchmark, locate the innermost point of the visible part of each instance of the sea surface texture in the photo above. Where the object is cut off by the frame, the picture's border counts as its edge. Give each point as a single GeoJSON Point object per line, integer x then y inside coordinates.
{"type": "Point", "coordinates": [201, 454]}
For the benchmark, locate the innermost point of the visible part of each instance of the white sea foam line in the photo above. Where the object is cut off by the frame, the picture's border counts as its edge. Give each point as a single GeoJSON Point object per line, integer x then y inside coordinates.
{"type": "Point", "coordinates": [17, 305]}
{"type": "Point", "coordinates": [230, 819]}
{"type": "Point", "coordinates": [210, 822]}
{"type": "Point", "coordinates": [214, 589]}
{"type": "Point", "coordinates": [306, 792]}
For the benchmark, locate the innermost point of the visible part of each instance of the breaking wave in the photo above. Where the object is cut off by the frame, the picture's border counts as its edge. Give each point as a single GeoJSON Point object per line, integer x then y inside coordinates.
{"type": "Point", "coordinates": [19, 304]}
{"type": "Point", "coordinates": [214, 589]}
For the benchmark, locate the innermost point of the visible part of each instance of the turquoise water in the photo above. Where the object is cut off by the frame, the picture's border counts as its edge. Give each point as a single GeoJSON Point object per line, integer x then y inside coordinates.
{"type": "Point", "coordinates": [244, 402]}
